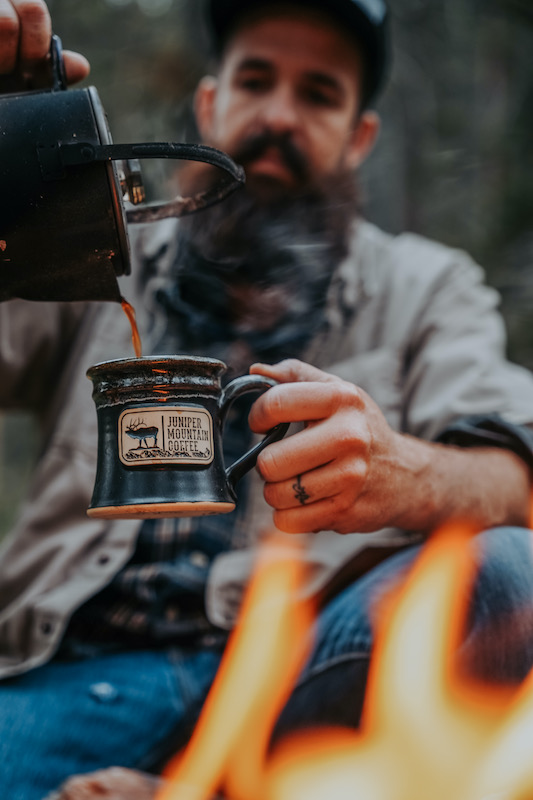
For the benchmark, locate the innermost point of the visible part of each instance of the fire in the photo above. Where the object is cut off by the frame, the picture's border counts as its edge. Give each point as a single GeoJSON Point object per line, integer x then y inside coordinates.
{"type": "Point", "coordinates": [262, 660]}
{"type": "Point", "coordinates": [426, 731]}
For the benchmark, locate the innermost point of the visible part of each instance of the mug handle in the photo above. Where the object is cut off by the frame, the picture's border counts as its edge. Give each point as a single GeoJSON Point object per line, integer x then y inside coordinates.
{"type": "Point", "coordinates": [236, 388]}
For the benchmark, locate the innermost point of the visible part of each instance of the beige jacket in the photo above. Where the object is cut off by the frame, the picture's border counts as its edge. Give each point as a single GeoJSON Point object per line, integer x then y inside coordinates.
{"type": "Point", "coordinates": [409, 321]}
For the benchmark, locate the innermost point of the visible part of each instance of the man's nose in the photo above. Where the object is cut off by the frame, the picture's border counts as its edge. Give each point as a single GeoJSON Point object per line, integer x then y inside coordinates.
{"type": "Point", "coordinates": [279, 111]}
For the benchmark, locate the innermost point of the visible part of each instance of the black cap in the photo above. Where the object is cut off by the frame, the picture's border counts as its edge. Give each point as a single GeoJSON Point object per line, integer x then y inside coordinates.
{"type": "Point", "coordinates": [366, 20]}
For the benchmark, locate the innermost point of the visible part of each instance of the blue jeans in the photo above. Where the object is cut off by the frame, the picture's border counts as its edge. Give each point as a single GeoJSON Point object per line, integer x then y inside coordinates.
{"type": "Point", "coordinates": [134, 709]}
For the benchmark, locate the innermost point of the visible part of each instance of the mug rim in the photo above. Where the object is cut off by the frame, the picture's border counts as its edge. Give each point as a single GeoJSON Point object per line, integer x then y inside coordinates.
{"type": "Point", "coordinates": [117, 364]}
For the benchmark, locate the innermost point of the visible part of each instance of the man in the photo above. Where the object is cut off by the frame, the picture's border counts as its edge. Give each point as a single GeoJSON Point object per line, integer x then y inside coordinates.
{"type": "Point", "coordinates": [389, 358]}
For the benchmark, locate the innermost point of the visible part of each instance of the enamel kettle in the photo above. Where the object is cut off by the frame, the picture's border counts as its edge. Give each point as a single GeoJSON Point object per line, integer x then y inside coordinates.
{"type": "Point", "coordinates": [63, 192]}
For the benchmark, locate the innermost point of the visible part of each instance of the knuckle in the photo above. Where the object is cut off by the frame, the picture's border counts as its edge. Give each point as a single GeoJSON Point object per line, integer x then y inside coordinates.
{"type": "Point", "coordinates": [272, 404]}
{"type": "Point", "coordinates": [349, 437]}
{"type": "Point", "coordinates": [270, 494]}
{"type": "Point", "coordinates": [353, 437]}
{"type": "Point", "coordinates": [349, 395]}
{"type": "Point", "coordinates": [32, 12]}
{"type": "Point", "coordinates": [344, 397]}
{"type": "Point", "coordinates": [352, 474]}
{"type": "Point", "coordinates": [341, 503]}
{"type": "Point", "coordinates": [290, 364]}
{"type": "Point", "coordinates": [9, 30]}
{"type": "Point", "coordinates": [268, 464]}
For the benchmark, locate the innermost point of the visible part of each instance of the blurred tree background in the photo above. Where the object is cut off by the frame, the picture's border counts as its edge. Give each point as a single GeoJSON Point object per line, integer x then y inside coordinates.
{"type": "Point", "coordinates": [454, 161]}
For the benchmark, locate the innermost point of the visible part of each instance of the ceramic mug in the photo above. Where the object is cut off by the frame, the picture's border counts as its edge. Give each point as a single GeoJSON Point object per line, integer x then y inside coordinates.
{"type": "Point", "coordinates": [160, 433]}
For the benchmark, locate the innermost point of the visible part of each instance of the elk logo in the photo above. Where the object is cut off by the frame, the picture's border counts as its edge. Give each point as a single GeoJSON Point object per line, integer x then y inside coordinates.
{"type": "Point", "coordinates": [138, 429]}
{"type": "Point", "coordinates": [165, 435]}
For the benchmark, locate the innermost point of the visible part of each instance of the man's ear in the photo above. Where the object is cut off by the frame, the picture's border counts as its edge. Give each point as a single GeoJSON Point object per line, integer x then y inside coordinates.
{"type": "Point", "coordinates": [363, 138]}
{"type": "Point", "coordinates": [204, 106]}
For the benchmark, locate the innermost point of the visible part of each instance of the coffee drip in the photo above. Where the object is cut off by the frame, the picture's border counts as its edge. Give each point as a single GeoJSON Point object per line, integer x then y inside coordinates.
{"type": "Point", "coordinates": [135, 336]}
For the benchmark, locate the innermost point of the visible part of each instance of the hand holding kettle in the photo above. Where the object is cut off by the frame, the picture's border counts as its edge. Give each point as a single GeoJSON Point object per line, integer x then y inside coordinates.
{"type": "Point", "coordinates": [63, 218]}
{"type": "Point", "coordinates": [25, 33]}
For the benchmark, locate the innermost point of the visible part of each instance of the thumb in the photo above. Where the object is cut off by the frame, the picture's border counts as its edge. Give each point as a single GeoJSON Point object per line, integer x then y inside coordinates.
{"type": "Point", "coordinates": [291, 370]}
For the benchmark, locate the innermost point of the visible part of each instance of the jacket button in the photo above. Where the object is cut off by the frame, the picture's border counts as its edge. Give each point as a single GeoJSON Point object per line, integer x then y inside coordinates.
{"type": "Point", "coordinates": [198, 559]}
{"type": "Point", "coordinates": [46, 628]}
{"type": "Point", "coordinates": [104, 692]}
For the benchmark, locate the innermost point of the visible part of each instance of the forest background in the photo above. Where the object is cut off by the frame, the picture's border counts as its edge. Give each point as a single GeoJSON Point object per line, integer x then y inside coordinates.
{"type": "Point", "coordinates": [454, 161]}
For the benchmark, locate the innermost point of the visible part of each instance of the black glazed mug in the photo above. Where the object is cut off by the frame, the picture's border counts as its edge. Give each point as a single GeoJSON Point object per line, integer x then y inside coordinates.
{"type": "Point", "coordinates": [160, 430]}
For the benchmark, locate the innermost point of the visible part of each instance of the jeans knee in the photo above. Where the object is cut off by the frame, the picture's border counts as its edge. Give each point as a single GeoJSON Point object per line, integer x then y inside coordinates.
{"type": "Point", "coordinates": [333, 695]}
{"type": "Point", "coordinates": [498, 643]}
{"type": "Point", "coordinates": [504, 581]}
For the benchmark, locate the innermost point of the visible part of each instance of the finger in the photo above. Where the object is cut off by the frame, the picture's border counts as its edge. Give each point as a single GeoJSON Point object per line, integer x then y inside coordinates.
{"type": "Point", "coordinates": [291, 370]}
{"type": "Point", "coordinates": [302, 402]}
{"type": "Point", "coordinates": [310, 487]}
{"type": "Point", "coordinates": [76, 66]}
{"type": "Point", "coordinates": [293, 493]}
{"type": "Point", "coordinates": [35, 29]}
{"type": "Point", "coordinates": [9, 36]}
{"type": "Point", "coordinates": [317, 446]}
{"type": "Point", "coordinates": [321, 516]}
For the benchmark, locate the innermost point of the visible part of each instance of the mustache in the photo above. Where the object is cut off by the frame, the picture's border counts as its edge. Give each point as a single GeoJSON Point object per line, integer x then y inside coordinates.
{"type": "Point", "coordinates": [255, 146]}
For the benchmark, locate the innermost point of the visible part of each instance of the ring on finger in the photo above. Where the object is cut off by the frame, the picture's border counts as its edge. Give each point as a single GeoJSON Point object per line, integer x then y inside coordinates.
{"type": "Point", "coordinates": [299, 491]}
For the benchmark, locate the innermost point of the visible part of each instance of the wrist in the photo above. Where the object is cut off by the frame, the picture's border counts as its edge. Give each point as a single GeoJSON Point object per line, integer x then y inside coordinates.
{"type": "Point", "coordinates": [419, 502]}
{"type": "Point", "coordinates": [437, 483]}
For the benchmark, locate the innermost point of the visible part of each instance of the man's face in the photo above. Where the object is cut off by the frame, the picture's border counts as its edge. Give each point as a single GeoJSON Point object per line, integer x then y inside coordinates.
{"type": "Point", "coordinates": [286, 100]}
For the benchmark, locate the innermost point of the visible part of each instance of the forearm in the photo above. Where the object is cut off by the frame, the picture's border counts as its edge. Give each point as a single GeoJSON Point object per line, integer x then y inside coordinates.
{"type": "Point", "coordinates": [435, 483]}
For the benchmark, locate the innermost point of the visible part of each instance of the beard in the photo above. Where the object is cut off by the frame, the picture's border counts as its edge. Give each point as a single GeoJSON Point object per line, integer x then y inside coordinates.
{"type": "Point", "coordinates": [252, 273]}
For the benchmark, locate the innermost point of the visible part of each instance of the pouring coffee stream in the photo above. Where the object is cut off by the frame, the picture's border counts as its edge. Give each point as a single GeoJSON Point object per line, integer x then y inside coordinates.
{"type": "Point", "coordinates": [135, 336]}
{"type": "Point", "coordinates": [63, 218]}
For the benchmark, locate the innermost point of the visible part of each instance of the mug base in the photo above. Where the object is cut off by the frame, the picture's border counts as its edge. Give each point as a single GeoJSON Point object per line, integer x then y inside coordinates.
{"type": "Point", "coordinates": [157, 510]}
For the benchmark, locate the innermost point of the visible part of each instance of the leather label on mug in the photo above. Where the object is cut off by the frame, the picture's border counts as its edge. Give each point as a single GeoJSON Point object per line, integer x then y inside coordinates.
{"type": "Point", "coordinates": [165, 435]}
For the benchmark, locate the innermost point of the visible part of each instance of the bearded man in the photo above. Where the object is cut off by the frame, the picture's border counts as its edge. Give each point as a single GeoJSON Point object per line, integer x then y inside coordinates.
{"type": "Point", "coordinates": [389, 357]}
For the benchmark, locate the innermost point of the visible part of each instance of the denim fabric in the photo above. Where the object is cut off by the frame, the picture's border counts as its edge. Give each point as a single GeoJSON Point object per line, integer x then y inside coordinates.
{"type": "Point", "coordinates": [135, 709]}
{"type": "Point", "coordinates": [497, 647]}
{"type": "Point", "coordinates": [80, 715]}
{"type": "Point", "coordinates": [331, 688]}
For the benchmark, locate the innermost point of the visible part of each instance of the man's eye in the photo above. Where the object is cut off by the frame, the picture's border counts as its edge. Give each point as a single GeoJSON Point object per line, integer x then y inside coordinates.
{"type": "Point", "coordinates": [318, 97]}
{"type": "Point", "coordinates": [253, 84]}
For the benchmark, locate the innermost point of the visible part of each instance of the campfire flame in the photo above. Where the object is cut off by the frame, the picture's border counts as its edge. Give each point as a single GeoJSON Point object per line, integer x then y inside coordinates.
{"type": "Point", "coordinates": [262, 660]}
{"type": "Point", "coordinates": [427, 731]}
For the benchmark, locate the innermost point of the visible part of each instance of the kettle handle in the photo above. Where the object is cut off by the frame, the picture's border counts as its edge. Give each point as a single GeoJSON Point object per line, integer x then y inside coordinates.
{"type": "Point", "coordinates": [58, 67]}
{"type": "Point", "coordinates": [77, 153]}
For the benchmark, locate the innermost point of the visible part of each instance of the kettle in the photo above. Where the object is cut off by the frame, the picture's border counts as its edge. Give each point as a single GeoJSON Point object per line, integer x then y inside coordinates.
{"type": "Point", "coordinates": [63, 209]}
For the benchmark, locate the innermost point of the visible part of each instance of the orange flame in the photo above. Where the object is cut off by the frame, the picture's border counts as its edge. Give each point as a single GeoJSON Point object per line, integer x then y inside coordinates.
{"type": "Point", "coordinates": [426, 732]}
{"type": "Point", "coordinates": [262, 660]}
